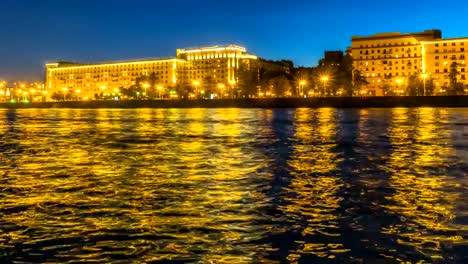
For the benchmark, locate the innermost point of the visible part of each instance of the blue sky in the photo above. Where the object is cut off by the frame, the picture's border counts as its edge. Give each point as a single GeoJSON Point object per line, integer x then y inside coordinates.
{"type": "Point", "coordinates": [33, 32]}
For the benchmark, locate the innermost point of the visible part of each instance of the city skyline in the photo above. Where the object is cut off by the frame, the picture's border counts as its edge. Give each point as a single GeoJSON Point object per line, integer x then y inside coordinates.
{"type": "Point", "coordinates": [35, 33]}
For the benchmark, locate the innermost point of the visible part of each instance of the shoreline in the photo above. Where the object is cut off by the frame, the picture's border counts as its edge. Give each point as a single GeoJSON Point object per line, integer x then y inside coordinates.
{"type": "Point", "coordinates": [316, 102]}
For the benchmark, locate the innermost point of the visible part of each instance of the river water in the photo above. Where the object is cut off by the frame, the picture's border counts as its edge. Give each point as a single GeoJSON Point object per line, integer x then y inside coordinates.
{"type": "Point", "coordinates": [234, 185]}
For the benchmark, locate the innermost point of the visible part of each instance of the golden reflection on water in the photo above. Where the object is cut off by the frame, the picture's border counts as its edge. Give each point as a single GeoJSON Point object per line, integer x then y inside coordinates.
{"type": "Point", "coordinates": [312, 202]}
{"type": "Point", "coordinates": [199, 185]}
{"type": "Point", "coordinates": [183, 177]}
{"type": "Point", "coordinates": [421, 199]}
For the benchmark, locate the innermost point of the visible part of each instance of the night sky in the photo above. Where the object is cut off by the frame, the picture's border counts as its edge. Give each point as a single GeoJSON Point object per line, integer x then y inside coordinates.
{"type": "Point", "coordinates": [33, 32]}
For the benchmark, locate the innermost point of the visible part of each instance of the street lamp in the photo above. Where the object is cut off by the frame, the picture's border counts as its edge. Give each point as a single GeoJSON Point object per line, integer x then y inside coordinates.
{"type": "Point", "coordinates": [301, 85]}
{"type": "Point", "coordinates": [196, 84]}
{"type": "Point", "coordinates": [64, 92]}
{"type": "Point", "coordinates": [145, 86]}
{"type": "Point", "coordinates": [324, 80]}
{"type": "Point", "coordinates": [232, 83]}
{"type": "Point", "coordinates": [424, 77]}
{"type": "Point", "coordinates": [399, 81]}
{"type": "Point", "coordinates": [159, 91]}
{"type": "Point", "coordinates": [221, 87]}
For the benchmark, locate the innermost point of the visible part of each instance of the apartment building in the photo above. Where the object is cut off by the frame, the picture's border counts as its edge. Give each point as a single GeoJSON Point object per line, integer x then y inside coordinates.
{"type": "Point", "coordinates": [389, 58]}
{"type": "Point", "coordinates": [215, 65]}
{"type": "Point", "coordinates": [438, 57]}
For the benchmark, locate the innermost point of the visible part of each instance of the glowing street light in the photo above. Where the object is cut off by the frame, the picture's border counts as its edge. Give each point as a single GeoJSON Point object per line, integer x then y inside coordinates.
{"type": "Point", "coordinates": [221, 87]}
{"type": "Point", "coordinates": [424, 77]}
{"type": "Point", "coordinates": [399, 81]}
{"type": "Point", "coordinates": [160, 88]}
{"type": "Point", "coordinates": [232, 83]}
{"type": "Point", "coordinates": [196, 84]}
{"type": "Point", "coordinates": [301, 85]}
{"type": "Point", "coordinates": [324, 80]}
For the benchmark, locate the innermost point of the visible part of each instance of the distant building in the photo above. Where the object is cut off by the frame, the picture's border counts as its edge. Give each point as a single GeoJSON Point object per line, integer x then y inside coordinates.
{"type": "Point", "coordinates": [332, 58]}
{"type": "Point", "coordinates": [390, 58]}
{"type": "Point", "coordinates": [215, 65]}
{"type": "Point", "coordinates": [438, 56]}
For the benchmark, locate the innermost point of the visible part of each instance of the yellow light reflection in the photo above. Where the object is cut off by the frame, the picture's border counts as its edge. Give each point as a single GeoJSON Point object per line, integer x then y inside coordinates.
{"type": "Point", "coordinates": [313, 202]}
{"type": "Point", "coordinates": [422, 197]}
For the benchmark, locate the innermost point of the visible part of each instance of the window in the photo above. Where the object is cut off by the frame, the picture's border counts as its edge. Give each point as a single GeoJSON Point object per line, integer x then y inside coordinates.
{"type": "Point", "coordinates": [445, 56]}
{"type": "Point", "coordinates": [436, 57]}
{"type": "Point", "coordinates": [437, 70]}
{"type": "Point", "coordinates": [445, 70]}
{"type": "Point", "coordinates": [453, 43]}
{"type": "Point", "coordinates": [462, 70]}
{"type": "Point", "coordinates": [437, 44]}
{"type": "Point", "coordinates": [445, 44]}
{"type": "Point", "coordinates": [437, 51]}
{"type": "Point", "coordinates": [462, 49]}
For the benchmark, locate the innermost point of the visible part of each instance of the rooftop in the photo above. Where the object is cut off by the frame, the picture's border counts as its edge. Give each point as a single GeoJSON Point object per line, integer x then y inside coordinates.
{"type": "Point", "coordinates": [216, 48]}
{"type": "Point", "coordinates": [68, 64]}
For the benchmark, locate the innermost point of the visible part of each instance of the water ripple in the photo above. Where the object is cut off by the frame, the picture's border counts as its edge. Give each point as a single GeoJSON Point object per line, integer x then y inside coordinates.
{"type": "Point", "coordinates": [234, 185]}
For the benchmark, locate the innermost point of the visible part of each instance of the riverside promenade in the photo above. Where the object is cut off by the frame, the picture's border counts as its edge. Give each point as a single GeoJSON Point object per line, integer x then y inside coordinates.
{"type": "Point", "coordinates": [316, 102]}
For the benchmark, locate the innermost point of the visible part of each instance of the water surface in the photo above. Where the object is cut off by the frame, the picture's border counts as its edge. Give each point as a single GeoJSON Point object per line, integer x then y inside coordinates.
{"type": "Point", "coordinates": [234, 185]}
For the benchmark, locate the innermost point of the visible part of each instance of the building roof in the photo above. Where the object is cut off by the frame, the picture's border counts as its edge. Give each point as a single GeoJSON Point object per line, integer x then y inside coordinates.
{"type": "Point", "coordinates": [212, 48]}
{"type": "Point", "coordinates": [67, 64]}
{"type": "Point", "coordinates": [435, 33]}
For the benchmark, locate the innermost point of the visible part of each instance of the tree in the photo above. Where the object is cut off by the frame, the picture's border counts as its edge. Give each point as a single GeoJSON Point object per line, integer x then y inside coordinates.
{"type": "Point", "coordinates": [209, 87]}
{"type": "Point", "coordinates": [359, 80]}
{"type": "Point", "coordinates": [57, 96]}
{"type": "Point", "coordinates": [247, 80]}
{"type": "Point", "coordinates": [183, 90]}
{"type": "Point", "coordinates": [281, 85]}
{"type": "Point", "coordinates": [455, 88]}
{"type": "Point", "coordinates": [415, 85]}
{"type": "Point", "coordinates": [345, 75]}
{"type": "Point", "coordinates": [430, 87]}
{"type": "Point", "coordinates": [145, 87]}
{"type": "Point", "coordinates": [387, 89]}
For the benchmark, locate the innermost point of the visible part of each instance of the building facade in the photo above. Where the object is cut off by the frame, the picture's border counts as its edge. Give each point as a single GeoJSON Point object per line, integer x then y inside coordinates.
{"type": "Point", "coordinates": [438, 58]}
{"type": "Point", "coordinates": [388, 59]}
{"type": "Point", "coordinates": [206, 66]}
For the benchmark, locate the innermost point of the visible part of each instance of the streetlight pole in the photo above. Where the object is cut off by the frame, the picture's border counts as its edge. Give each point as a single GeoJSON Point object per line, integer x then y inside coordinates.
{"type": "Point", "coordinates": [196, 83]}
{"type": "Point", "coordinates": [324, 80]}
{"type": "Point", "coordinates": [301, 85]}
{"type": "Point", "coordinates": [424, 77]}
{"type": "Point", "coordinates": [145, 86]}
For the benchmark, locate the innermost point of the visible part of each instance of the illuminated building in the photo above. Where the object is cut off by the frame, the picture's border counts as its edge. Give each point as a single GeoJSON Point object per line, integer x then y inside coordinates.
{"type": "Point", "coordinates": [385, 58]}
{"type": "Point", "coordinates": [438, 57]}
{"type": "Point", "coordinates": [215, 66]}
